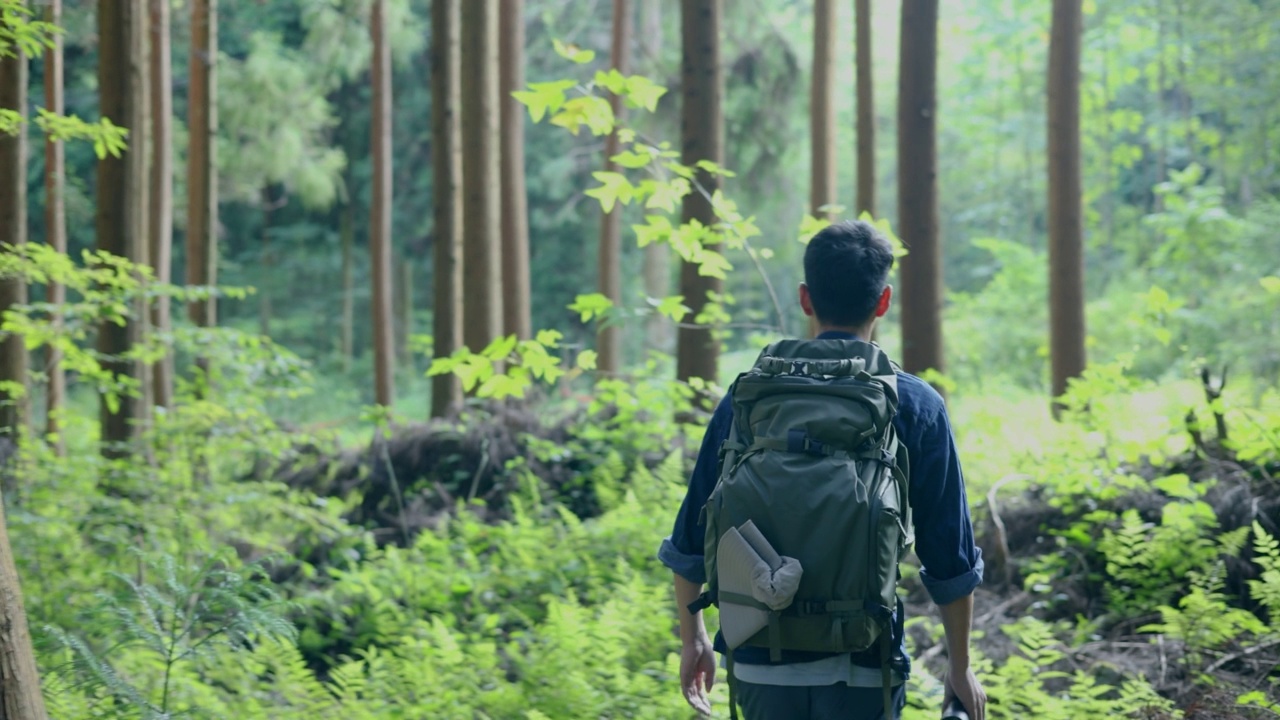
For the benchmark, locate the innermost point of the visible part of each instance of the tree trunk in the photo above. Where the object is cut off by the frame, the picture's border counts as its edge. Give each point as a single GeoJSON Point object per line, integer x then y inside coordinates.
{"type": "Point", "coordinates": [609, 341]}
{"type": "Point", "coordinates": [20, 696]}
{"type": "Point", "coordinates": [822, 110]}
{"type": "Point", "coordinates": [516, 301]}
{"type": "Point", "coordinates": [202, 186]}
{"type": "Point", "coordinates": [446, 209]}
{"type": "Point", "coordinates": [481, 210]}
{"type": "Point", "coordinates": [161, 201]}
{"type": "Point", "coordinates": [866, 202]}
{"type": "Point", "coordinates": [122, 194]}
{"type": "Point", "coordinates": [657, 256]}
{"type": "Point", "coordinates": [702, 138]}
{"type": "Point", "coordinates": [55, 221]}
{"type": "Point", "coordinates": [921, 273]}
{"type": "Point", "coordinates": [13, 232]}
{"type": "Point", "coordinates": [1066, 230]}
{"type": "Point", "coordinates": [348, 232]}
{"type": "Point", "coordinates": [380, 212]}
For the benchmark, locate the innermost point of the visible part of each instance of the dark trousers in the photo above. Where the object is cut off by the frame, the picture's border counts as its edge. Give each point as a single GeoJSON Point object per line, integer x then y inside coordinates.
{"type": "Point", "coordinates": [822, 702]}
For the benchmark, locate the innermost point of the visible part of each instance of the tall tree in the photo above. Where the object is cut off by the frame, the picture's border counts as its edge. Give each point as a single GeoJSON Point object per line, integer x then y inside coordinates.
{"type": "Point", "coordinates": [20, 696]}
{"type": "Point", "coordinates": [921, 273]}
{"type": "Point", "coordinates": [822, 110]}
{"type": "Point", "coordinates": [516, 300]}
{"type": "Point", "coordinates": [202, 186]}
{"type": "Point", "coordinates": [481, 209]}
{"type": "Point", "coordinates": [1066, 229]}
{"type": "Point", "coordinates": [866, 200]}
{"type": "Point", "coordinates": [55, 214]}
{"type": "Point", "coordinates": [609, 344]}
{"type": "Point", "coordinates": [380, 211]}
{"type": "Point", "coordinates": [13, 232]}
{"type": "Point", "coordinates": [161, 205]}
{"type": "Point", "coordinates": [446, 202]}
{"type": "Point", "coordinates": [657, 256]}
{"type": "Point", "coordinates": [121, 188]}
{"type": "Point", "coordinates": [701, 138]}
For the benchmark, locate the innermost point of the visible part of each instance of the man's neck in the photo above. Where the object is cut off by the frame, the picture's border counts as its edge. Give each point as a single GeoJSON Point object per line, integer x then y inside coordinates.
{"type": "Point", "coordinates": [861, 333]}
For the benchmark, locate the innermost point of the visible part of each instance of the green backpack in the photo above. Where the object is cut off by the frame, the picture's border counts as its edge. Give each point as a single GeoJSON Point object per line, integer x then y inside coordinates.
{"type": "Point", "coordinates": [813, 463]}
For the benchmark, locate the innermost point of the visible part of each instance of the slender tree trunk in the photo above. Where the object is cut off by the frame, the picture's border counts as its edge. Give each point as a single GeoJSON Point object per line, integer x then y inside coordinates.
{"type": "Point", "coordinates": [657, 256]}
{"type": "Point", "coordinates": [348, 232]}
{"type": "Point", "coordinates": [380, 212]}
{"type": "Point", "coordinates": [866, 111]}
{"type": "Point", "coordinates": [481, 209]}
{"type": "Point", "coordinates": [609, 341]}
{"type": "Point", "coordinates": [822, 110]}
{"type": "Point", "coordinates": [268, 262]}
{"type": "Point", "coordinates": [702, 138]}
{"type": "Point", "coordinates": [918, 188]}
{"type": "Point", "coordinates": [122, 193]}
{"type": "Point", "coordinates": [20, 696]}
{"type": "Point", "coordinates": [13, 233]}
{"type": "Point", "coordinates": [446, 202]}
{"type": "Point", "coordinates": [161, 201]}
{"type": "Point", "coordinates": [55, 221]}
{"type": "Point", "coordinates": [202, 186]}
{"type": "Point", "coordinates": [1066, 229]}
{"type": "Point", "coordinates": [516, 300]}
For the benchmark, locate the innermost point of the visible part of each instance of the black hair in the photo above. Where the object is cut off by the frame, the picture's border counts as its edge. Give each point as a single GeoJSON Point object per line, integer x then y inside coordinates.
{"type": "Point", "coordinates": [846, 267]}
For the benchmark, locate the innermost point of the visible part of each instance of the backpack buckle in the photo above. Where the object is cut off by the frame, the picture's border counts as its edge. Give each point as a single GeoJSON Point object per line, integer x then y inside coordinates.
{"type": "Point", "coordinates": [798, 441]}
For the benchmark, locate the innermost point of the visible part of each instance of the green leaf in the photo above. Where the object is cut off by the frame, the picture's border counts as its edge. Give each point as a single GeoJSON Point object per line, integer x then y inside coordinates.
{"type": "Point", "coordinates": [587, 360]}
{"type": "Point", "coordinates": [672, 307]}
{"type": "Point", "coordinates": [641, 92]}
{"type": "Point", "coordinates": [591, 306]}
{"type": "Point", "coordinates": [543, 97]}
{"type": "Point", "coordinates": [614, 188]}
{"type": "Point", "coordinates": [573, 53]}
{"type": "Point", "coordinates": [549, 338]}
{"type": "Point", "coordinates": [632, 160]}
{"type": "Point", "coordinates": [1271, 284]}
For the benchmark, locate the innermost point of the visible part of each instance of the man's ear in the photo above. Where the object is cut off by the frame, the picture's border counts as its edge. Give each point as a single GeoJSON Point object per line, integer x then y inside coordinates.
{"type": "Point", "coordinates": [806, 302]}
{"type": "Point", "coordinates": [882, 306]}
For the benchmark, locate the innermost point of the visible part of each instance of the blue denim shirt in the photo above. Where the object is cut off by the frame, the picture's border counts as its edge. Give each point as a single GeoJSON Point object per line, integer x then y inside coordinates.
{"type": "Point", "coordinates": [952, 563]}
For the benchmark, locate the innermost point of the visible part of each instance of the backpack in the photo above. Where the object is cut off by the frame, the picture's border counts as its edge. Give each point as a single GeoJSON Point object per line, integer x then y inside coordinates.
{"type": "Point", "coordinates": [813, 466]}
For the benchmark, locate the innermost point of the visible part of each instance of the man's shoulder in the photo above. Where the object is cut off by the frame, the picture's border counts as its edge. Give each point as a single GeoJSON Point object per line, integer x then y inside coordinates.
{"type": "Point", "coordinates": [918, 401]}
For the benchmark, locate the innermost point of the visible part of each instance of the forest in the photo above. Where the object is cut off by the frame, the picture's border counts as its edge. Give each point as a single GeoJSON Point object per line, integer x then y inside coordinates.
{"type": "Point", "coordinates": [355, 354]}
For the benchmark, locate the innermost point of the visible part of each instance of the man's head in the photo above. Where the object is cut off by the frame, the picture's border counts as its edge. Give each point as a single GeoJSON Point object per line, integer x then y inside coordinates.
{"type": "Point", "coordinates": [846, 275]}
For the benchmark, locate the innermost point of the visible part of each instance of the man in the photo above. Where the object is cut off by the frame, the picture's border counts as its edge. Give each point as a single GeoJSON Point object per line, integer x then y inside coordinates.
{"type": "Point", "coordinates": [846, 291]}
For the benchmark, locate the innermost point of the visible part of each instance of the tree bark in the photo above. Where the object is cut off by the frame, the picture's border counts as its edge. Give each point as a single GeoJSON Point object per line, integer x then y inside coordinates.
{"type": "Point", "coordinates": [702, 138]}
{"type": "Point", "coordinates": [20, 696]}
{"type": "Point", "coordinates": [380, 212]}
{"type": "Point", "coordinates": [866, 201]}
{"type": "Point", "coordinates": [446, 173]}
{"type": "Point", "coordinates": [516, 300]}
{"type": "Point", "coordinates": [609, 340]}
{"type": "Point", "coordinates": [657, 256]}
{"type": "Point", "coordinates": [121, 188]}
{"type": "Point", "coordinates": [161, 201]}
{"type": "Point", "coordinates": [822, 110]}
{"type": "Point", "coordinates": [13, 233]}
{"type": "Point", "coordinates": [404, 311]}
{"type": "Point", "coordinates": [481, 209]}
{"type": "Point", "coordinates": [202, 186]}
{"type": "Point", "coordinates": [1066, 230]}
{"type": "Point", "coordinates": [921, 274]}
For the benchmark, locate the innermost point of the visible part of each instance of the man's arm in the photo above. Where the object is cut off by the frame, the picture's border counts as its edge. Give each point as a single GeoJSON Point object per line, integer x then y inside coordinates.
{"type": "Point", "coordinates": [697, 658]}
{"type": "Point", "coordinates": [957, 620]}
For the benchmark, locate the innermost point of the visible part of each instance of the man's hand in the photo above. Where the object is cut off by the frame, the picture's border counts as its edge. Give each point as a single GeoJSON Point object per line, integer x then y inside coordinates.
{"type": "Point", "coordinates": [963, 685]}
{"type": "Point", "coordinates": [698, 672]}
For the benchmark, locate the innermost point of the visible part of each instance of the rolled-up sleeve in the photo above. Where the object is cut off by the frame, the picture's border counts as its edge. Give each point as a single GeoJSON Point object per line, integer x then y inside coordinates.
{"type": "Point", "coordinates": [682, 550]}
{"type": "Point", "coordinates": [952, 562]}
